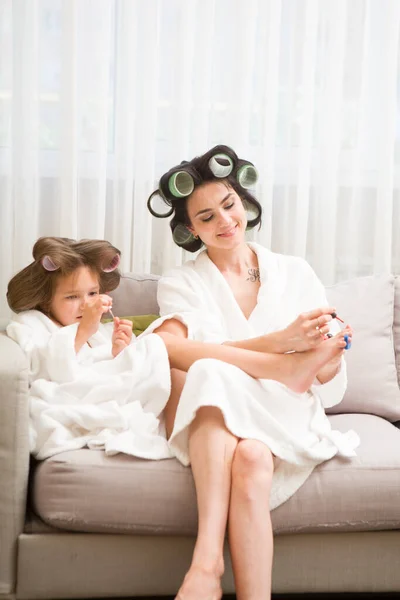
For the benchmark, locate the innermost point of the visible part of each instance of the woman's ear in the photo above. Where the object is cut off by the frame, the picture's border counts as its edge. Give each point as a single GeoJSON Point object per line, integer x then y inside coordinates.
{"type": "Point", "coordinates": [192, 231]}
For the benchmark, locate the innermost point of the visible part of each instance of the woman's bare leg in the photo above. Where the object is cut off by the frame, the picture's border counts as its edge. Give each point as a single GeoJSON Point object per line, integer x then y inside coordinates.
{"type": "Point", "coordinates": [296, 370]}
{"type": "Point", "coordinates": [250, 529]}
{"type": "Point", "coordinates": [212, 488]}
{"type": "Point", "coordinates": [178, 379]}
{"type": "Point", "coordinates": [211, 449]}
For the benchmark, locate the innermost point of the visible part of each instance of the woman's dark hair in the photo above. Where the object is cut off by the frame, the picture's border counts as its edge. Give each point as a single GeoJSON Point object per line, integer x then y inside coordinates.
{"type": "Point", "coordinates": [34, 286]}
{"type": "Point", "coordinates": [200, 171]}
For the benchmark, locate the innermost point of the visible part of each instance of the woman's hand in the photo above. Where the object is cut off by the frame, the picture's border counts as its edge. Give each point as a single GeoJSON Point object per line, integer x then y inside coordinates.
{"type": "Point", "coordinates": [122, 335]}
{"type": "Point", "coordinates": [308, 330]}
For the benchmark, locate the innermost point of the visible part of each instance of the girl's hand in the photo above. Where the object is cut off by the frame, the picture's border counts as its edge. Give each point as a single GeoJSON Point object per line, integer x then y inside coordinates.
{"type": "Point", "coordinates": [122, 335]}
{"type": "Point", "coordinates": [307, 331]}
{"type": "Point", "coordinates": [93, 310]}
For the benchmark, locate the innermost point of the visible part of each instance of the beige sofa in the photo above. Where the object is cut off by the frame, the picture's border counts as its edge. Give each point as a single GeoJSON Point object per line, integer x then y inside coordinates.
{"type": "Point", "coordinates": [82, 525]}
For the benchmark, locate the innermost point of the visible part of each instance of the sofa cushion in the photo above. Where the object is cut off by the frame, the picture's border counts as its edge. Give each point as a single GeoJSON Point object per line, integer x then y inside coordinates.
{"type": "Point", "coordinates": [367, 304]}
{"type": "Point", "coordinates": [136, 295]}
{"type": "Point", "coordinates": [139, 322]}
{"type": "Point", "coordinates": [362, 493]}
{"type": "Point", "coordinates": [84, 490]}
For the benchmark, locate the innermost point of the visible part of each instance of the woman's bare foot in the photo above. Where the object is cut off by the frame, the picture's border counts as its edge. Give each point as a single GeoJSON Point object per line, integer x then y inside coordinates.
{"type": "Point", "coordinates": [302, 367]}
{"type": "Point", "coordinates": [200, 584]}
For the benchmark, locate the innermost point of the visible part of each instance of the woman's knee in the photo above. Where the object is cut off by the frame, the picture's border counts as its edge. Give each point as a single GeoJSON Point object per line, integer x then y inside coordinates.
{"type": "Point", "coordinates": [253, 466]}
{"type": "Point", "coordinates": [209, 413]}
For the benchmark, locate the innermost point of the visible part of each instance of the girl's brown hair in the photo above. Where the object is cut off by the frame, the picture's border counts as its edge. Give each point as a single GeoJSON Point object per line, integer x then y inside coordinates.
{"type": "Point", "coordinates": [34, 286]}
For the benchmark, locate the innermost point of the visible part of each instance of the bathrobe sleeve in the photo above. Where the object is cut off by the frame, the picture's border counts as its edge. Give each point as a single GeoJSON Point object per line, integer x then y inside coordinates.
{"type": "Point", "coordinates": [182, 295]}
{"type": "Point", "coordinates": [50, 350]}
{"type": "Point", "coordinates": [332, 392]}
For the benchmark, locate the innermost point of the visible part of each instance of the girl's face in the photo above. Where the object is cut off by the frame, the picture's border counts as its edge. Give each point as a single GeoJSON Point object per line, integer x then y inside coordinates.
{"type": "Point", "coordinates": [71, 293]}
{"type": "Point", "coordinates": [217, 215]}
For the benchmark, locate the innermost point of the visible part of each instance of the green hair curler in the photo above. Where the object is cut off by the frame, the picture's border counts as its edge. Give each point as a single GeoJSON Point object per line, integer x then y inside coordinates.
{"type": "Point", "coordinates": [181, 184]}
{"type": "Point", "coordinates": [247, 176]}
{"type": "Point", "coordinates": [221, 165]}
{"type": "Point", "coordinates": [157, 206]}
{"type": "Point", "coordinates": [182, 235]}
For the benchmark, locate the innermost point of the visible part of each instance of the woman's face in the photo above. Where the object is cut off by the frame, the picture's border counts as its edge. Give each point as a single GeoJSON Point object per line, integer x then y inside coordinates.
{"type": "Point", "coordinates": [217, 215]}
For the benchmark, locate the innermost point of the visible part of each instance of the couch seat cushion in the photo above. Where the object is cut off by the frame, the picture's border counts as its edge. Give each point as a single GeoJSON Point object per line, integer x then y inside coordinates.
{"type": "Point", "coordinates": [357, 494]}
{"type": "Point", "coordinates": [84, 490]}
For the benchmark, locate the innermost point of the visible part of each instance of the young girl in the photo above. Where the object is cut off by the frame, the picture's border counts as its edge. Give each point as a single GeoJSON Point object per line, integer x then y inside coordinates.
{"type": "Point", "coordinates": [94, 384]}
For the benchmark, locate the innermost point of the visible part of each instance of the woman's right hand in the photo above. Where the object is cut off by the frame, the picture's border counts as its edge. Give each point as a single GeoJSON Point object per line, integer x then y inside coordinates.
{"type": "Point", "coordinates": [93, 310]}
{"type": "Point", "coordinates": [308, 330]}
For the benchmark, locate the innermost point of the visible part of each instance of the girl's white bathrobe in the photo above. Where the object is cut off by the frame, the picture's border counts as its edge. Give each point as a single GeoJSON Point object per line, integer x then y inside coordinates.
{"type": "Point", "coordinates": [90, 398]}
{"type": "Point", "coordinates": [294, 426]}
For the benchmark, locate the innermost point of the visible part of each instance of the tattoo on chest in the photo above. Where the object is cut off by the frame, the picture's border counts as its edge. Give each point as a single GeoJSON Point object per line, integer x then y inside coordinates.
{"type": "Point", "coordinates": [254, 275]}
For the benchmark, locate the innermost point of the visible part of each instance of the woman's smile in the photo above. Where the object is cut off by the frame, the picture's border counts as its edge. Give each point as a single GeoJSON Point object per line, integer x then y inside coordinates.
{"type": "Point", "coordinates": [230, 233]}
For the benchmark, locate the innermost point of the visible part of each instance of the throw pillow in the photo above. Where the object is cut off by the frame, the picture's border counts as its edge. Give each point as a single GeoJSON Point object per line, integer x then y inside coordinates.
{"type": "Point", "coordinates": [139, 322]}
{"type": "Point", "coordinates": [367, 304]}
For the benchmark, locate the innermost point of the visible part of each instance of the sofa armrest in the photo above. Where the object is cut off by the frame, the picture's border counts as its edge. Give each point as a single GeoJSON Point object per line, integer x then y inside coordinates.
{"type": "Point", "coordinates": [14, 456]}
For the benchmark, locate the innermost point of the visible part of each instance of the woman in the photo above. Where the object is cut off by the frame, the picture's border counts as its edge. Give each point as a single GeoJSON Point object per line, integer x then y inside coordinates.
{"type": "Point", "coordinates": [247, 439]}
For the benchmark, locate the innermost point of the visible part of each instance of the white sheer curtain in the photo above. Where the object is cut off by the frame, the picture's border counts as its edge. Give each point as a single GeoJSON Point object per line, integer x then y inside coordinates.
{"type": "Point", "coordinates": [99, 97]}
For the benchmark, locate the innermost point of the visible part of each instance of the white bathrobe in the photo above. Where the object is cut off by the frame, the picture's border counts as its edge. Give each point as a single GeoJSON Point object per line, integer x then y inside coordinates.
{"type": "Point", "coordinates": [90, 398]}
{"type": "Point", "coordinates": [294, 426]}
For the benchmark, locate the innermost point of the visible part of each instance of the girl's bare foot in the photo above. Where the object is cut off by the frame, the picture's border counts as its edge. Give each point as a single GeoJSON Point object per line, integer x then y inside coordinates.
{"type": "Point", "coordinates": [302, 367]}
{"type": "Point", "coordinates": [200, 584]}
